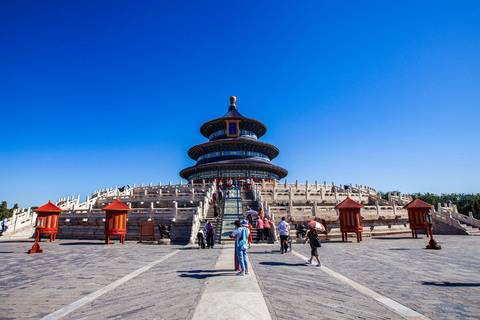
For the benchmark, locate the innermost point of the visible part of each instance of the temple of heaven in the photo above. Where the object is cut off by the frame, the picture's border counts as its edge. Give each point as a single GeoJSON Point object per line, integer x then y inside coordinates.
{"type": "Point", "coordinates": [233, 150]}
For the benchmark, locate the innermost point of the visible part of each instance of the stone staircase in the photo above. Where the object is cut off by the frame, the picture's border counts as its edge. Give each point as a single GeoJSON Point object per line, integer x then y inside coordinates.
{"type": "Point", "coordinates": [248, 201]}
{"type": "Point", "coordinates": [232, 211]}
{"type": "Point", "coordinates": [472, 231]}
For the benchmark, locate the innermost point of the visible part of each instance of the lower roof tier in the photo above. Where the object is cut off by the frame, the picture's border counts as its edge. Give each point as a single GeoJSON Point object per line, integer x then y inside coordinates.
{"type": "Point", "coordinates": [234, 169]}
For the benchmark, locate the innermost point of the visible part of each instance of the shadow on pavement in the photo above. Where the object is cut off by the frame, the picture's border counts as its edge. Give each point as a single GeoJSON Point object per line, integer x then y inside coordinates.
{"type": "Point", "coordinates": [396, 238]}
{"type": "Point", "coordinates": [450, 284]}
{"type": "Point", "coordinates": [83, 243]}
{"type": "Point", "coordinates": [203, 274]}
{"type": "Point", "coordinates": [205, 271]}
{"type": "Point", "coordinates": [274, 263]}
{"type": "Point", "coordinates": [399, 249]}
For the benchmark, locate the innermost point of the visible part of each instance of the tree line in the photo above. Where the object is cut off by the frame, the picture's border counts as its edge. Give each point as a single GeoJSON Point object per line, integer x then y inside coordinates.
{"type": "Point", "coordinates": [465, 202]}
{"type": "Point", "coordinates": [5, 212]}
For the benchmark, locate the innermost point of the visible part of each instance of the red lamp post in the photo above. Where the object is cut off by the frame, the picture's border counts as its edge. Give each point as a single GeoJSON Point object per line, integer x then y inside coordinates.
{"type": "Point", "coordinates": [116, 221]}
{"type": "Point", "coordinates": [49, 213]}
{"type": "Point", "coordinates": [432, 244]}
{"type": "Point", "coordinates": [39, 225]}
{"type": "Point", "coordinates": [418, 211]}
{"type": "Point", "coordinates": [350, 218]}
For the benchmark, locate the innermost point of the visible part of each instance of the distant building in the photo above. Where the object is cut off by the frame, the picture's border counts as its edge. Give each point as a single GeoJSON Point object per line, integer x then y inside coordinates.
{"type": "Point", "coordinates": [233, 151]}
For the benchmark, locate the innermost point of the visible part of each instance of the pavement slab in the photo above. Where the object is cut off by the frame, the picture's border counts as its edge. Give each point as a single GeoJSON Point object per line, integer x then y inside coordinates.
{"type": "Point", "coordinates": [437, 284]}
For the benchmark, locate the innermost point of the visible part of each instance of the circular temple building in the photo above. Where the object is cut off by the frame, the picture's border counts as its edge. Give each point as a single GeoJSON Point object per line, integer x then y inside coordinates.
{"type": "Point", "coordinates": [233, 150]}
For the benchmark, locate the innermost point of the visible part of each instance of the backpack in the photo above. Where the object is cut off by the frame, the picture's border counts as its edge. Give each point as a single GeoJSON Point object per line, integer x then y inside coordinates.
{"type": "Point", "coordinates": [243, 238]}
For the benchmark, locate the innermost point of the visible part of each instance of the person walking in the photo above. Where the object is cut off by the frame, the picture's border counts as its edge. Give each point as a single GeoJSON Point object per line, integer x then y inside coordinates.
{"type": "Point", "coordinates": [260, 213]}
{"type": "Point", "coordinates": [4, 226]}
{"type": "Point", "coordinates": [249, 234]}
{"type": "Point", "coordinates": [210, 235]}
{"type": "Point", "coordinates": [284, 231]}
{"type": "Point", "coordinates": [216, 211]}
{"type": "Point", "coordinates": [241, 236]}
{"type": "Point", "coordinates": [201, 238]}
{"type": "Point", "coordinates": [220, 195]}
{"type": "Point", "coordinates": [259, 227]}
{"type": "Point", "coordinates": [214, 196]}
{"type": "Point", "coordinates": [312, 236]}
{"type": "Point", "coordinates": [266, 228]}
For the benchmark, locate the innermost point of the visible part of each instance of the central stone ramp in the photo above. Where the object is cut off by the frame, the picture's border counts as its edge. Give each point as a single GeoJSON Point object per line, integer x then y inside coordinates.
{"type": "Point", "coordinates": [228, 296]}
{"type": "Point", "coordinates": [232, 211]}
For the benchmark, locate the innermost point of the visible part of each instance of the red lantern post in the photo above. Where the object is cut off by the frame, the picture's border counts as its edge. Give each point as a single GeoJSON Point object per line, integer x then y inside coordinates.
{"type": "Point", "coordinates": [350, 218]}
{"type": "Point", "coordinates": [116, 221]}
{"type": "Point", "coordinates": [49, 213]}
{"type": "Point", "coordinates": [39, 225]}
{"type": "Point", "coordinates": [418, 211]}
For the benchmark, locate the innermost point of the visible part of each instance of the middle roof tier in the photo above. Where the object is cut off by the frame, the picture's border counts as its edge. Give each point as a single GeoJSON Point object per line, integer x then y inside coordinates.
{"type": "Point", "coordinates": [233, 145]}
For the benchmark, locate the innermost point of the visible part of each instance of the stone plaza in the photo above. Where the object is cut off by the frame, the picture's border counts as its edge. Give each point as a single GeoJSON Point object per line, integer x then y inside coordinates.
{"type": "Point", "coordinates": [390, 277]}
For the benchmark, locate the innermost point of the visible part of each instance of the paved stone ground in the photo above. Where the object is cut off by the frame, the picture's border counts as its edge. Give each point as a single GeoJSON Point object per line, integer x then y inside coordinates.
{"type": "Point", "coordinates": [441, 284]}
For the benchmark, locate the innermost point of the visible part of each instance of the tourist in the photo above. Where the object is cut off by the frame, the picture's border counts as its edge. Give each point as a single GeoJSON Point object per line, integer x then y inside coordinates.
{"type": "Point", "coordinates": [220, 185]}
{"type": "Point", "coordinates": [249, 226]}
{"type": "Point", "coordinates": [260, 213]}
{"type": "Point", "coordinates": [201, 238]}
{"type": "Point", "coordinates": [230, 182]}
{"type": "Point", "coordinates": [247, 187]}
{"type": "Point", "coordinates": [206, 224]}
{"type": "Point", "coordinates": [312, 236]}
{"type": "Point", "coordinates": [216, 211]}
{"type": "Point", "coordinates": [214, 196]}
{"type": "Point", "coordinates": [284, 231]}
{"type": "Point", "coordinates": [241, 236]}
{"type": "Point", "coordinates": [220, 195]}
{"type": "Point", "coordinates": [236, 183]}
{"type": "Point", "coordinates": [266, 228]}
{"type": "Point", "coordinates": [249, 218]}
{"type": "Point", "coordinates": [210, 235]}
{"type": "Point", "coordinates": [4, 225]}
{"type": "Point", "coordinates": [259, 227]}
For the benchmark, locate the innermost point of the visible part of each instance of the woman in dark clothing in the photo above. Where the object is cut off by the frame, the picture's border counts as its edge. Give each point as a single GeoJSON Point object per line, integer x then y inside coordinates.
{"type": "Point", "coordinates": [210, 234]}
{"type": "Point", "coordinates": [312, 236]}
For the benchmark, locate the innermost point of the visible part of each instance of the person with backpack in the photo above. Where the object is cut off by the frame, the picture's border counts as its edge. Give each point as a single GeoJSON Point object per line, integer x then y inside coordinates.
{"type": "Point", "coordinates": [201, 238]}
{"type": "Point", "coordinates": [241, 235]}
{"type": "Point", "coordinates": [312, 236]}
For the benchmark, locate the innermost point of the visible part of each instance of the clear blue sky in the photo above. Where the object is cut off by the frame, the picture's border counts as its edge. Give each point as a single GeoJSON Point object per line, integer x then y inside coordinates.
{"type": "Point", "coordinates": [95, 94]}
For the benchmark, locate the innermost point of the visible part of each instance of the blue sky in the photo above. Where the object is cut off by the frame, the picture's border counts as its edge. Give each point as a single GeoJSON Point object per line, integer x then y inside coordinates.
{"type": "Point", "coordinates": [96, 94]}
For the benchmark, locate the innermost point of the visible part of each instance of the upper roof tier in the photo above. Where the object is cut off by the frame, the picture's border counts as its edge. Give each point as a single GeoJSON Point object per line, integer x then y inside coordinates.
{"type": "Point", "coordinates": [245, 123]}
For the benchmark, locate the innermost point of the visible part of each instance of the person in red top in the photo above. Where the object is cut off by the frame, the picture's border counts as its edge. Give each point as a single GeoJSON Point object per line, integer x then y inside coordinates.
{"type": "Point", "coordinates": [249, 240]}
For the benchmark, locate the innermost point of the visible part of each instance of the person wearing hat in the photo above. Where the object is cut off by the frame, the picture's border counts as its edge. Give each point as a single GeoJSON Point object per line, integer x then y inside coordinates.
{"type": "Point", "coordinates": [241, 235]}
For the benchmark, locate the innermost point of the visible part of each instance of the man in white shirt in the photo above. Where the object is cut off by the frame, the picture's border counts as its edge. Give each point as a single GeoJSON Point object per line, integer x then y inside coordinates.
{"type": "Point", "coordinates": [284, 231]}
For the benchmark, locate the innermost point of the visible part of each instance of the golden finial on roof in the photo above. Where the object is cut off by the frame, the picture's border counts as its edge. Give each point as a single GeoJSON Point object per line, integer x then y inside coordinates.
{"type": "Point", "coordinates": [50, 200]}
{"type": "Point", "coordinates": [233, 100]}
